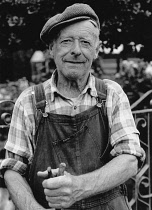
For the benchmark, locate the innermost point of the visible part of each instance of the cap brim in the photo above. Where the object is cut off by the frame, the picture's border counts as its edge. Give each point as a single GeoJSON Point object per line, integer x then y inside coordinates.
{"type": "Point", "coordinates": [49, 35]}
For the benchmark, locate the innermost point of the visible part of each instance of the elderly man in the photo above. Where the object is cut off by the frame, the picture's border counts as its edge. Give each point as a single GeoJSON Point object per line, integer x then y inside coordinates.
{"type": "Point", "coordinates": [78, 125]}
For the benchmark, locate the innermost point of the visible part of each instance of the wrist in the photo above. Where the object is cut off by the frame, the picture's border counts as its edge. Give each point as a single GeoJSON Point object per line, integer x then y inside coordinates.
{"type": "Point", "coordinates": [82, 187]}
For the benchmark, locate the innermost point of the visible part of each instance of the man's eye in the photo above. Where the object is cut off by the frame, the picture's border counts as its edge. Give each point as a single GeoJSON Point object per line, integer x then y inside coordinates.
{"type": "Point", "coordinates": [66, 41]}
{"type": "Point", "coordinates": [84, 42]}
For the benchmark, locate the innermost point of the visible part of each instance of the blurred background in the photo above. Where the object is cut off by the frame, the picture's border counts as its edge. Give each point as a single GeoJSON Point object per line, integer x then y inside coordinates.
{"type": "Point", "coordinates": [125, 57]}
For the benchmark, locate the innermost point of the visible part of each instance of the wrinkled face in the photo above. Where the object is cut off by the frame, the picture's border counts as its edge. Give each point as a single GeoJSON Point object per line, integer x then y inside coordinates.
{"type": "Point", "coordinates": [74, 50]}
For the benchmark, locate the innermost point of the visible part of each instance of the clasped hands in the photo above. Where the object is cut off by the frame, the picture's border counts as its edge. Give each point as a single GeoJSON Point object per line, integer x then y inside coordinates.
{"type": "Point", "coordinates": [60, 191]}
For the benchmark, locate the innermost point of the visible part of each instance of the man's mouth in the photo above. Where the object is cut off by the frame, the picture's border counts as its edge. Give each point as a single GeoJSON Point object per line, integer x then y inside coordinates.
{"type": "Point", "coordinates": [75, 62]}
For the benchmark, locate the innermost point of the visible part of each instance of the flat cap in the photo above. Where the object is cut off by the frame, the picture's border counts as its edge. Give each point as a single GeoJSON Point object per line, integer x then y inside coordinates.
{"type": "Point", "coordinates": [76, 12]}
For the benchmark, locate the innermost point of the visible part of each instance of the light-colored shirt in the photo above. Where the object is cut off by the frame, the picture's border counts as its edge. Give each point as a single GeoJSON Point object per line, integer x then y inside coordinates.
{"type": "Point", "coordinates": [124, 137]}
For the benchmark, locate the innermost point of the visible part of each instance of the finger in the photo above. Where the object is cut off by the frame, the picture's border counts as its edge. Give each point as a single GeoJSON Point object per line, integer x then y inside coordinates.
{"type": "Point", "coordinates": [56, 203]}
{"type": "Point", "coordinates": [62, 167]}
{"type": "Point", "coordinates": [59, 206]}
{"type": "Point", "coordinates": [56, 192]}
{"type": "Point", "coordinates": [43, 174]}
{"type": "Point", "coordinates": [53, 183]}
{"type": "Point", "coordinates": [55, 172]}
{"type": "Point", "coordinates": [55, 206]}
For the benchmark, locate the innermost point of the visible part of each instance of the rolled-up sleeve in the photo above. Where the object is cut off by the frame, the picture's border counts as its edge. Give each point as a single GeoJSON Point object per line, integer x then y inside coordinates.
{"type": "Point", "coordinates": [11, 162]}
{"type": "Point", "coordinates": [124, 136]}
{"type": "Point", "coordinates": [130, 145]}
{"type": "Point", "coordinates": [19, 148]}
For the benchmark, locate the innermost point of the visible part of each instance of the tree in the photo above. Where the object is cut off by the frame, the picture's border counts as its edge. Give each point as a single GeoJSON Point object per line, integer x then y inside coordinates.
{"type": "Point", "coordinates": [128, 21]}
{"type": "Point", "coordinates": [123, 22]}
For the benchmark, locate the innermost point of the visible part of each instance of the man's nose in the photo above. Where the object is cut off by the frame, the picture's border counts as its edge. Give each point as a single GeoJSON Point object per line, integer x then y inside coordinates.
{"type": "Point", "coordinates": [76, 49]}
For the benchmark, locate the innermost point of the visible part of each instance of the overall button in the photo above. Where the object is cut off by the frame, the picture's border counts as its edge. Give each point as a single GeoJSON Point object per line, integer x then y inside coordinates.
{"type": "Point", "coordinates": [75, 107]}
{"type": "Point", "coordinates": [45, 114]}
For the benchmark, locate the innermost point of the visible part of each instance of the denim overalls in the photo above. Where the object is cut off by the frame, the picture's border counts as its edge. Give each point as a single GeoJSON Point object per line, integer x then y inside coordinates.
{"type": "Point", "coordinates": [80, 141]}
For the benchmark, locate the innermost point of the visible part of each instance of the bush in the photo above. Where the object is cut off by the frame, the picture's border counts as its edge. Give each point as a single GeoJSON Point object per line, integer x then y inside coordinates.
{"type": "Point", "coordinates": [135, 78]}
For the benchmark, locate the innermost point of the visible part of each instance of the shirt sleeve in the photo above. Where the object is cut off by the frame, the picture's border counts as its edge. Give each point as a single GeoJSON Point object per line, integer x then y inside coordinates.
{"type": "Point", "coordinates": [124, 135]}
{"type": "Point", "coordinates": [19, 145]}
{"type": "Point", "coordinates": [130, 144]}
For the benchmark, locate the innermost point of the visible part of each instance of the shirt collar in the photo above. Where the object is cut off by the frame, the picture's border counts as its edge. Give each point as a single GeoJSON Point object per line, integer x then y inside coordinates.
{"type": "Point", "coordinates": [90, 87]}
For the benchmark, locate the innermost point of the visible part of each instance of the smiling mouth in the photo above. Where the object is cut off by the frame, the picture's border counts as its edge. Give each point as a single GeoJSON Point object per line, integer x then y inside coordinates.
{"type": "Point", "coordinates": [75, 62]}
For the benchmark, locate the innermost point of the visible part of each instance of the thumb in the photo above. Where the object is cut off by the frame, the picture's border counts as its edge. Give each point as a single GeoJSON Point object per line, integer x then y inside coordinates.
{"type": "Point", "coordinates": [43, 174]}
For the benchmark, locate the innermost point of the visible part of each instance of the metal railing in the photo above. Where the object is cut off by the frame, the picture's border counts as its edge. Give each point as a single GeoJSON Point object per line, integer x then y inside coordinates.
{"type": "Point", "coordinates": [140, 186]}
{"type": "Point", "coordinates": [6, 108]}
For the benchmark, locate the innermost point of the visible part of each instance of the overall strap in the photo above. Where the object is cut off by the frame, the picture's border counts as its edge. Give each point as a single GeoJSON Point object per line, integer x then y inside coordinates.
{"type": "Point", "coordinates": [40, 100]}
{"type": "Point", "coordinates": [101, 88]}
{"type": "Point", "coordinates": [102, 93]}
{"type": "Point", "coordinates": [39, 103]}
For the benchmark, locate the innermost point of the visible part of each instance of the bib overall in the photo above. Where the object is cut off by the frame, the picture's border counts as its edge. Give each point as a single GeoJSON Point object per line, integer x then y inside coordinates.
{"type": "Point", "coordinates": [82, 143]}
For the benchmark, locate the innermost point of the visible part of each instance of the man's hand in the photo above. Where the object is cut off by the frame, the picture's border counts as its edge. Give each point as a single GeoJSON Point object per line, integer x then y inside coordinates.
{"type": "Point", "coordinates": [61, 191]}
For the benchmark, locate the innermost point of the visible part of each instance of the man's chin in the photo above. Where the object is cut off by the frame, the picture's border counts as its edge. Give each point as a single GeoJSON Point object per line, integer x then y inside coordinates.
{"type": "Point", "coordinates": [74, 76]}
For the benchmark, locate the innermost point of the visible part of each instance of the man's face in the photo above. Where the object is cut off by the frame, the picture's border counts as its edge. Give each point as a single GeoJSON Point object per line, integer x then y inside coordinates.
{"type": "Point", "coordinates": [74, 50]}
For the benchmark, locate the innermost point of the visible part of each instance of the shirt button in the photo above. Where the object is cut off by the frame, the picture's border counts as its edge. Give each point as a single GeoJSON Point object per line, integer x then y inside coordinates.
{"type": "Point", "coordinates": [75, 107]}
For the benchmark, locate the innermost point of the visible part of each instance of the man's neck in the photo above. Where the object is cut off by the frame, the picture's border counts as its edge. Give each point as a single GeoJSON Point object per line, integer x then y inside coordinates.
{"type": "Point", "coordinates": [71, 88]}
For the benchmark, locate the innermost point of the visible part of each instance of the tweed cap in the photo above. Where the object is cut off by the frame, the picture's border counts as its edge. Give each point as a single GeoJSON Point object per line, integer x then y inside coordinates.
{"type": "Point", "coordinates": [76, 12]}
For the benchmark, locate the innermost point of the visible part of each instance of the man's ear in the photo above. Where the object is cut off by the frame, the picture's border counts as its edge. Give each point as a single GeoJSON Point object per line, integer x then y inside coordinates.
{"type": "Point", "coordinates": [51, 50]}
{"type": "Point", "coordinates": [97, 49]}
